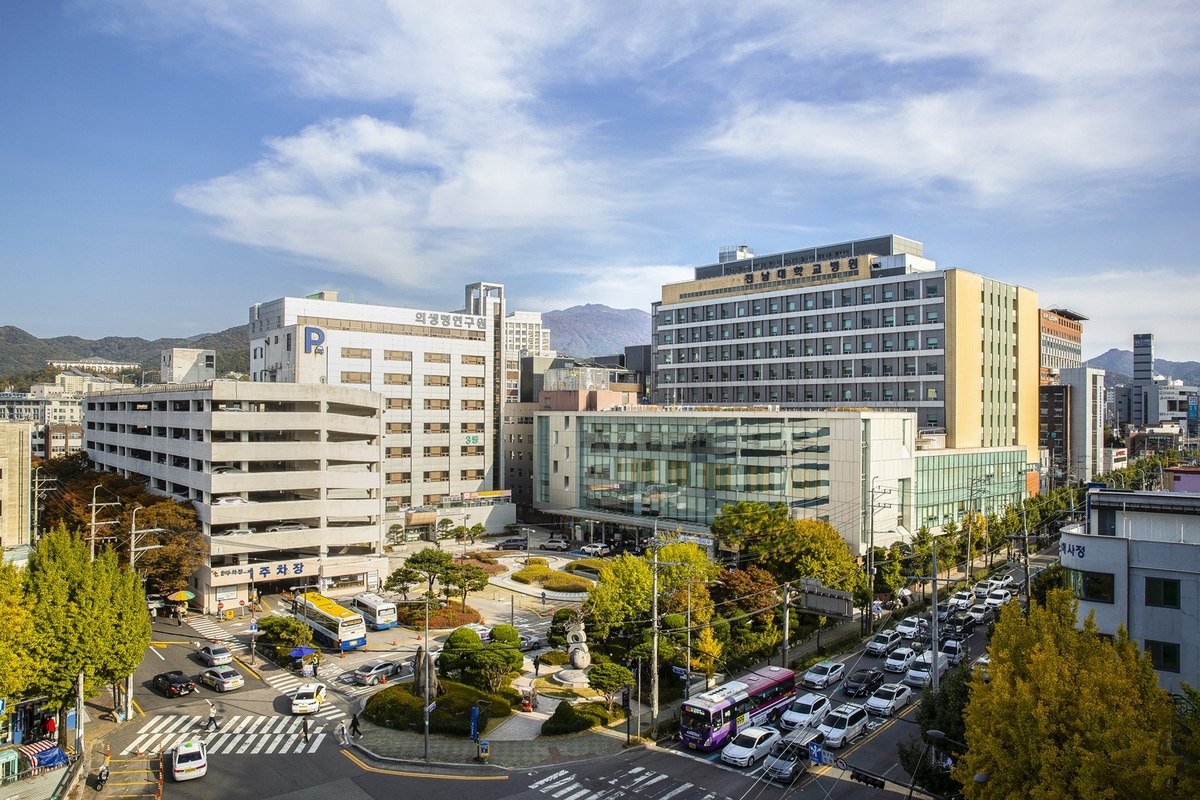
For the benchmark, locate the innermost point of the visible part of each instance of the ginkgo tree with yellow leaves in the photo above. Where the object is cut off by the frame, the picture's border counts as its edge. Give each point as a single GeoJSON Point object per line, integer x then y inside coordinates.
{"type": "Point", "coordinates": [1067, 713]}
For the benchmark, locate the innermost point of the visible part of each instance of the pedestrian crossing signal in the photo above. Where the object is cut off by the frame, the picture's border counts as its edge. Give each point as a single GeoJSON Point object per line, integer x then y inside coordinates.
{"type": "Point", "coordinates": [625, 698]}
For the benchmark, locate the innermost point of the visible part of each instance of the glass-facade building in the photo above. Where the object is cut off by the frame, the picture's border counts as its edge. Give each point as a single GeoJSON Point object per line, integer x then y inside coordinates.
{"type": "Point", "coordinates": [951, 483]}
{"type": "Point", "coordinates": [686, 468]}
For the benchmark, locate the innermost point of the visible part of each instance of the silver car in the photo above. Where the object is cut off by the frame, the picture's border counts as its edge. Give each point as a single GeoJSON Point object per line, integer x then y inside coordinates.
{"type": "Point", "coordinates": [373, 672]}
{"type": "Point", "coordinates": [214, 655]}
{"type": "Point", "coordinates": [223, 679]}
{"type": "Point", "coordinates": [889, 698]}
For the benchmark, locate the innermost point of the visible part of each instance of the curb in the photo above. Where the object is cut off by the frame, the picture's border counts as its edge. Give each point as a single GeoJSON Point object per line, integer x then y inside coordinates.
{"type": "Point", "coordinates": [490, 767]}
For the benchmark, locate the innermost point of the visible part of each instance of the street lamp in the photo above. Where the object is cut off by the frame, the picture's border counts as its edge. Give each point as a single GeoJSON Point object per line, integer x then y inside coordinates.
{"type": "Point", "coordinates": [133, 551]}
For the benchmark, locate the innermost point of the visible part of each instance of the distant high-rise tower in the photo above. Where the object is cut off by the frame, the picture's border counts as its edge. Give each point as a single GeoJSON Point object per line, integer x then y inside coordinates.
{"type": "Point", "coordinates": [1143, 377]}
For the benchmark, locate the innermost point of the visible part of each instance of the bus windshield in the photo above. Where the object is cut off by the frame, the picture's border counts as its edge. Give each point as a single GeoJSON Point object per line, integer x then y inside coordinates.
{"type": "Point", "coordinates": [695, 719]}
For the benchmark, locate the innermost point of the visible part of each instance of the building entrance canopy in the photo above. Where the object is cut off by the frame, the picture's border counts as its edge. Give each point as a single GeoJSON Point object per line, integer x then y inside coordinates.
{"type": "Point", "coordinates": [665, 524]}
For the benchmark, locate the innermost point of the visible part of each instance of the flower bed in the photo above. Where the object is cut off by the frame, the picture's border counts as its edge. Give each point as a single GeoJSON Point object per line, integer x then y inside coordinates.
{"type": "Point", "coordinates": [452, 616]}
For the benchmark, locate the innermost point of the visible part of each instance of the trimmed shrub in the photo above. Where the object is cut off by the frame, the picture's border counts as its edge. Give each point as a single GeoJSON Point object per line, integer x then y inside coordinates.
{"type": "Point", "coordinates": [534, 574]}
{"type": "Point", "coordinates": [562, 582]}
{"type": "Point", "coordinates": [556, 658]}
{"type": "Point", "coordinates": [535, 561]}
{"type": "Point", "coordinates": [599, 713]}
{"type": "Point", "coordinates": [588, 564]}
{"type": "Point", "coordinates": [452, 616]}
{"type": "Point", "coordinates": [566, 719]}
{"type": "Point", "coordinates": [452, 715]}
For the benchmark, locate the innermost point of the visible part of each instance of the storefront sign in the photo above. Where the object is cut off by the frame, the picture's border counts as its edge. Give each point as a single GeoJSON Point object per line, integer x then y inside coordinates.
{"type": "Point", "coordinates": [276, 570]}
{"type": "Point", "coordinates": [227, 593]}
{"type": "Point", "coordinates": [486, 495]}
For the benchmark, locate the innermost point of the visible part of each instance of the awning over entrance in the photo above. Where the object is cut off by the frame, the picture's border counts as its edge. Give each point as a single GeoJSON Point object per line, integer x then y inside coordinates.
{"type": "Point", "coordinates": [665, 524]}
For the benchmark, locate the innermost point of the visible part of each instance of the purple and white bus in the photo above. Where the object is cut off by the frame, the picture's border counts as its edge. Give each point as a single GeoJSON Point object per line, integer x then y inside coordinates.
{"type": "Point", "coordinates": [708, 720]}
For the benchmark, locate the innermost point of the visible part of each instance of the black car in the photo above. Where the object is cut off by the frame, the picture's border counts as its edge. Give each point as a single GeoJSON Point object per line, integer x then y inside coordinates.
{"type": "Point", "coordinates": [174, 683]}
{"type": "Point", "coordinates": [517, 543]}
{"type": "Point", "coordinates": [863, 682]}
{"type": "Point", "coordinates": [960, 622]}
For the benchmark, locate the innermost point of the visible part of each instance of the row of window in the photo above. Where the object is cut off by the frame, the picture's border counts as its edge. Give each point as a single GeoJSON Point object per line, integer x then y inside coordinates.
{"type": "Point", "coordinates": [405, 379]}
{"type": "Point", "coordinates": [777, 328]}
{"type": "Point", "coordinates": [406, 355]}
{"type": "Point", "coordinates": [434, 476]}
{"type": "Point", "coordinates": [435, 451]}
{"type": "Point", "coordinates": [775, 349]}
{"type": "Point", "coordinates": [775, 305]}
{"type": "Point", "coordinates": [1100, 587]}
{"type": "Point", "coordinates": [866, 369]}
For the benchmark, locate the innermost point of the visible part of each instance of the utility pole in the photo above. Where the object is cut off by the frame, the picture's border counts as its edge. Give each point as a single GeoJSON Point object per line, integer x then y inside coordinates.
{"type": "Point", "coordinates": [874, 494]}
{"type": "Point", "coordinates": [426, 666]}
{"type": "Point", "coordinates": [38, 483]}
{"type": "Point", "coordinates": [687, 686]}
{"type": "Point", "coordinates": [934, 622]}
{"type": "Point", "coordinates": [654, 634]}
{"type": "Point", "coordinates": [787, 606]}
{"type": "Point", "coordinates": [133, 551]}
{"type": "Point", "coordinates": [96, 524]}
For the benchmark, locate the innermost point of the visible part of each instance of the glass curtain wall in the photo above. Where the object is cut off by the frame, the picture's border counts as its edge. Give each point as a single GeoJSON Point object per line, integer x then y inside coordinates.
{"type": "Point", "coordinates": [688, 468]}
{"type": "Point", "coordinates": [944, 484]}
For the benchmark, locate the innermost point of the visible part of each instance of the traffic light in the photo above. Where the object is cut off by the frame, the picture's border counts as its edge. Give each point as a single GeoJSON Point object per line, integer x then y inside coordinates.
{"type": "Point", "coordinates": [625, 697]}
{"type": "Point", "coordinates": [867, 778]}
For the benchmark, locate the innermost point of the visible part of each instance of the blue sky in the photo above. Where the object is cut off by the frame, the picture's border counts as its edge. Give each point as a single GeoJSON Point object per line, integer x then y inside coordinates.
{"type": "Point", "coordinates": [165, 165]}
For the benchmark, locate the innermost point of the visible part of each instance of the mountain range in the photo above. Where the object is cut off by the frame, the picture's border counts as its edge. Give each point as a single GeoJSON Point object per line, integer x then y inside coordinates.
{"type": "Point", "coordinates": [596, 330]}
{"type": "Point", "coordinates": [22, 353]}
{"type": "Point", "coordinates": [1119, 365]}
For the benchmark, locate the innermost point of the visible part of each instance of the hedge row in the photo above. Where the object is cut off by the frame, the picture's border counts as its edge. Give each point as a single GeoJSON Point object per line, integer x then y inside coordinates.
{"type": "Point", "coordinates": [397, 707]}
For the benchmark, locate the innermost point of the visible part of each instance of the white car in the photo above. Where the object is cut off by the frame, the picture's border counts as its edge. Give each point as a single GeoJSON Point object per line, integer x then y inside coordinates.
{"type": "Point", "coordinates": [889, 698]}
{"type": "Point", "coordinates": [900, 660]}
{"type": "Point", "coordinates": [983, 664]}
{"type": "Point", "coordinates": [189, 761]}
{"type": "Point", "coordinates": [956, 651]}
{"type": "Point", "coordinates": [919, 673]}
{"type": "Point", "coordinates": [825, 674]}
{"type": "Point", "coordinates": [962, 599]}
{"type": "Point", "coordinates": [561, 545]}
{"type": "Point", "coordinates": [308, 698]}
{"type": "Point", "coordinates": [749, 746]}
{"type": "Point", "coordinates": [231, 500]}
{"type": "Point", "coordinates": [998, 598]}
{"type": "Point", "coordinates": [844, 723]}
{"type": "Point", "coordinates": [808, 711]}
{"type": "Point", "coordinates": [908, 627]}
{"type": "Point", "coordinates": [485, 633]}
{"type": "Point", "coordinates": [1006, 582]}
{"type": "Point", "coordinates": [215, 655]}
{"type": "Point", "coordinates": [982, 612]}
{"type": "Point", "coordinates": [227, 470]}
{"type": "Point", "coordinates": [883, 643]}
{"type": "Point", "coordinates": [982, 588]}
{"type": "Point", "coordinates": [596, 549]}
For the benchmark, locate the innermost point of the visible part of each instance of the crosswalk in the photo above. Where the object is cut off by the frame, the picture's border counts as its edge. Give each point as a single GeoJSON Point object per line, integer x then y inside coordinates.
{"type": "Point", "coordinates": [240, 735]}
{"type": "Point", "coordinates": [212, 631]}
{"type": "Point", "coordinates": [286, 682]}
{"type": "Point", "coordinates": [636, 782]}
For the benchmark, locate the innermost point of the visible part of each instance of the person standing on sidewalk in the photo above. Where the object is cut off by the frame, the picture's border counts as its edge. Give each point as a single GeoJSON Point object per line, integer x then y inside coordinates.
{"type": "Point", "coordinates": [354, 729]}
{"type": "Point", "coordinates": [212, 717]}
{"type": "Point", "coordinates": [537, 665]}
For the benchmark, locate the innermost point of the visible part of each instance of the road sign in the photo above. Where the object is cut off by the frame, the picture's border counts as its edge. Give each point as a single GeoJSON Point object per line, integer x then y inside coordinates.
{"type": "Point", "coordinates": [679, 670]}
{"type": "Point", "coordinates": [254, 627]}
{"type": "Point", "coordinates": [841, 763]}
{"type": "Point", "coordinates": [3, 702]}
{"type": "Point", "coordinates": [700, 540]}
{"type": "Point", "coordinates": [241, 602]}
{"type": "Point", "coordinates": [431, 707]}
{"type": "Point", "coordinates": [815, 753]}
{"type": "Point", "coordinates": [827, 758]}
{"type": "Point", "coordinates": [220, 606]}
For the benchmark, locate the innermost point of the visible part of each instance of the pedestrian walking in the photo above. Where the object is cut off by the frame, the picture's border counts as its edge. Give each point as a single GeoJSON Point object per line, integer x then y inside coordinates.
{"type": "Point", "coordinates": [354, 729]}
{"type": "Point", "coordinates": [341, 734]}
{"type": "Point", "coordinates": [537, 665]}
{"type": "Point", "coordinates": [304, 725]}
{"type": "Point", "coordinates": [50, 727]}
{"type": "Point", "coordinates": [179, 617]}
{"type": "Point", "coordinates": [212, 717]}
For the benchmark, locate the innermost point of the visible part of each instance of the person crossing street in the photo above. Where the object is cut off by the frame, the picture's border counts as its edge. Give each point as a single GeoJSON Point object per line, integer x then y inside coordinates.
{"type": "Point", "coordinates": [212, 717]}
{"type": "Point", "coordinates": [342, 736]}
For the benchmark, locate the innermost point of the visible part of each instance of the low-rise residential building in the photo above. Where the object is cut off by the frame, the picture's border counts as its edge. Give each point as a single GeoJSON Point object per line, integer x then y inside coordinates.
{"type": "Point", "coordinates": [1182, 479]}
{"type": "Point", "coordinates": [1135, 562]}
{"type": "Point", "coordinates": [56, 440]}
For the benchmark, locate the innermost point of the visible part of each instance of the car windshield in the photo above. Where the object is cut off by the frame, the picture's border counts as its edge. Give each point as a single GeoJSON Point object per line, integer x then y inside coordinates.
{"type": "Point", "coordinates": [785, 751]}
{"type": "Point", "coordinates": [921, 666]}
{"type": "Point", "coordinates": [862, 676]}
{"type": "Point", "coordinates": [745, 740]}
{"type": "Point", "coordinates": [899, 655]}
{"type": "Point", "coordinates": [997, 595]}
{"type": "Point", "coordinates": [882, 638]}
{"type": "Point", "coordinates": [219, 651]}
{"type": "Point", "coordinates": [837, 722]}
{"type": "Point", "coordinates": [886, 694]}
{"type": "Point", "coordinates": [305, 695]}
{"type": "Point", "coordinates": [191, 757]}
{"type": "Point", "coordinates": [695, 719]}
{"type": "Point", "coordinates": [820, 669]}
{"type": "Point", "coordinates": [802, 707]}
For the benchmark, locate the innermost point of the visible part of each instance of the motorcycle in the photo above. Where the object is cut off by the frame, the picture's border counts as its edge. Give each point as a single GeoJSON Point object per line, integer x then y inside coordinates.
{"type": "Point", "coordinates": [101, 778]}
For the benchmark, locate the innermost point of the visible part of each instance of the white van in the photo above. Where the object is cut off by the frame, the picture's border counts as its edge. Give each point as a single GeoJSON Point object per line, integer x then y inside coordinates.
{"type": "Point", "coordinates": [919, 673]}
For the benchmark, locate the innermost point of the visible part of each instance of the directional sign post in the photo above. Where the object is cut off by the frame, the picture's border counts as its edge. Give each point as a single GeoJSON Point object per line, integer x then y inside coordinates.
{"type": "Point", "coordinates": [828, 759]}
{"type": "Point", "coordinates": [815, 753]}
{"type": "Point", "coordinates": [432, 706]}
{"type": "Point", "coordinates": [254, 627]}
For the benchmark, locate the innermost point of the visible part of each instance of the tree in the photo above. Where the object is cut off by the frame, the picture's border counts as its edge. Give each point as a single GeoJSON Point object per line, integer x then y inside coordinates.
{"type": "Point", "coordinates": [507, 640]}
{"type": "Point", "coordinates": [939, 711]}
{"type": "Point", "coordinates": [17, 664]}
{"type": "Point", "coordinates": [456, 653]}
{"type": "Point", "coordinates": [807, 548]}
{"type": "Point", "coordinates": [444, 525]}
{"type": "Point", "coordinates": [1067, 713]}
{"type": "Point", "coordinates": [126, 623]}
{"type": "Point", "coordinates": [621, 596]}
{"type": "Point", "coordinates": [430, 563]}
{"type": "Point", "coordinates": [891, 571]}
{"type": "Point", "coordinates": [748, 521]}
{"type": "Point", "coordinates": [402, 580]}
{"type": "Point", "coordinates": [488, 667]}
{"type": "Point", "coordinates": [181, 547]}
{"type": "Point", "coordinates": [459, 580]}
{"type": "Point", "coordinates": [609, 680]}
{"type": "Point", "coordinates": [706, 651]}
{"type": "Point", "coordinates": [681, 562]}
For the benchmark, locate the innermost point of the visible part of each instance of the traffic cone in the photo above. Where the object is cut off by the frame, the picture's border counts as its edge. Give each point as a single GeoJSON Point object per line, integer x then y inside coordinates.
{"type": "Point", "coordinates": [383, 679]}
{"type": "Point", "coordinates": [341, 654]}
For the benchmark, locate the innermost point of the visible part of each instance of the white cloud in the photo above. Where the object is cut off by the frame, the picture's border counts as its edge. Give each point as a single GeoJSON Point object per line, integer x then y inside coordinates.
{"type": "Point", "coordinates": [1120, 303]}
{"type": "Point", "coordinates": [613, 286]}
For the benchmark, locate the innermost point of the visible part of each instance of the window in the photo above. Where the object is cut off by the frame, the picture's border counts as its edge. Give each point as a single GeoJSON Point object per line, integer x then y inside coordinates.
{"type": "Point", "coordinates": [396, 379]}
{"type": "Point", "coordinates": [437, 405]}
{"type": "Point", "coordinates": [931, 343]}
{"type": "Point", "coordinates": [437, 452]}
{"type": "Point", "coordinates": [472, 450]}
{"type": "Point", "coordinates": [356, 377]}
{"type": "Point", "coordinates": [470, 405]}
{"type": "Point", "coordinates": [437, 476]}
{"type": "Point", "coordinates": [472, 383]}
{"type": "Point", "coordinates": [399, 477]}
{"type": "Point", "coordinates": [472, 474]}
{"type": "Point", "coordinates": [1163, 655]}
{"type": "Point", "coordinates": [399, 452]}
{"type": "Point", "coordinates": [437, 358]}
{"type": "Point", "coordinates": [397, 355]}
{"type": "Point", "coordinates": [1162, 592]}
{"type": "Point", "coordinates": [931, 291]}
{"type": "Point", "coordinates": [847, 347]}
{"type": "Point", "coordinates": [399, 427]}
{"type": "Point", "coordinates": [474, 360]}
{"type": "Point", "coordinates": [931, 394]}
{"type": "Point", "coordinates": [437, 380]}
{"type": "Point", "coordinates": [931, 316]}
{"type": "Point", "coordinates": [437, 427]}
{"type": "Point", "coordinates": [402, 403]}
{"type": "Point", "coordinates": [1094, 587]}
{"type": "Point", "coordinates": [868, 346]}
{"type": "Point", "coordinates": [355, 352]}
